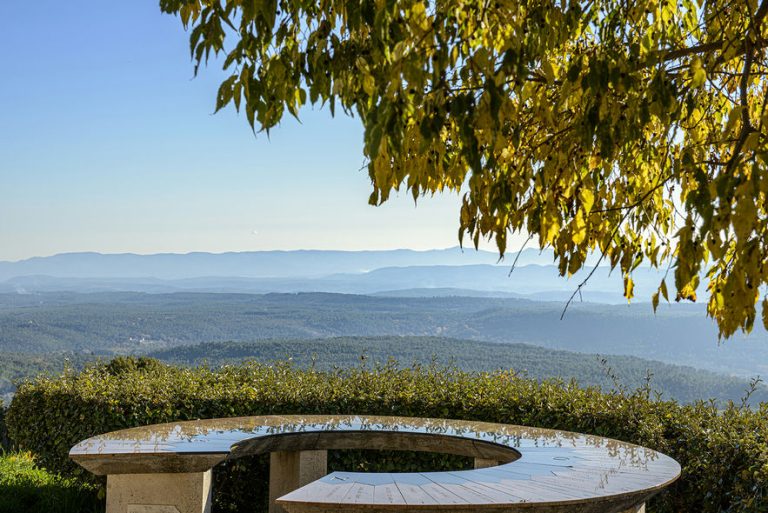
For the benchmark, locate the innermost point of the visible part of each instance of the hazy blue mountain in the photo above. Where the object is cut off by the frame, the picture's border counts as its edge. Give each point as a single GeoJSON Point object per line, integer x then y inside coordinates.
{"type": "Point", "coordinates": [531, 281]}
{"type": "Point", "coordinates": [444, 292]}
{"type": "Point", "coordinates": [256, 264]}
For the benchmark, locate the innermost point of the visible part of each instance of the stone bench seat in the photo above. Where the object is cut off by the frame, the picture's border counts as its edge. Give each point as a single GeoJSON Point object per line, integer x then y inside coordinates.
{"type": "Point", "coordinates": [166, 468]}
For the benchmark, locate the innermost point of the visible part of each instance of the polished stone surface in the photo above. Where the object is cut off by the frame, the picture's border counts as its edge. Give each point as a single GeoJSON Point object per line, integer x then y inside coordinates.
{"type": "Point", "coordinates": [539, 465]}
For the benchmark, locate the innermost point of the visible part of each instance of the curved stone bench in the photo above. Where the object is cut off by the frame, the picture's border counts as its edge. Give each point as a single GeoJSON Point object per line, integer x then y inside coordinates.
{"type": "Point", "coordinates": [166, 468]}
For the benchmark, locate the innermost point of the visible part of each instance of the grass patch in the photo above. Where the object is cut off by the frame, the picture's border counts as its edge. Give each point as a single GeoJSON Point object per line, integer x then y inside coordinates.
{"type": "Point", "coordinates": [25, 487]}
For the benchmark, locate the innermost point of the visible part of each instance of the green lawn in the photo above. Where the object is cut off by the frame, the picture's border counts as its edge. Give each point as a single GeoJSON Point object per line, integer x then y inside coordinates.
{"type": "Point", "coordinates": [26, 488]}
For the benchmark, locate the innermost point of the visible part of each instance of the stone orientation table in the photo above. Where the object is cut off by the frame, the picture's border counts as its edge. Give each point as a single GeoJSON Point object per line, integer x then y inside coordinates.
{"type": "Point", "coordinates": [166, 468]}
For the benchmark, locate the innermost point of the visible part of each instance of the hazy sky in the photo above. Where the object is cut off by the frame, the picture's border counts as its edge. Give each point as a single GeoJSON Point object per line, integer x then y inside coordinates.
{"type": "Point", "coordinates": [107, 143]}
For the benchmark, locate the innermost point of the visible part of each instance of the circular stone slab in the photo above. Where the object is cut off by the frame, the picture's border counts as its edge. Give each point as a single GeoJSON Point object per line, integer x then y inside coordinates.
{"type": "Point", "coordinates": [552, 471]}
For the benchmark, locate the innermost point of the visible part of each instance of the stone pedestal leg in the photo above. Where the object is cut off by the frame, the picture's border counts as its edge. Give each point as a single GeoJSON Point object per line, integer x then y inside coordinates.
{"type": "Point", "coordinates": [635, 509]}
{"type": "Point", "coordinates": [159, 493]}
{"type": "Point", "coordinates": [289, 470]}
{"type": "Point", "coordinates": [483, 463]}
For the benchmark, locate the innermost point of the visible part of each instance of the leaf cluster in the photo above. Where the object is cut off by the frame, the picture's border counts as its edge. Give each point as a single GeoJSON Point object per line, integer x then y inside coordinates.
{"type": "Point", "coordinates": [636, 130]}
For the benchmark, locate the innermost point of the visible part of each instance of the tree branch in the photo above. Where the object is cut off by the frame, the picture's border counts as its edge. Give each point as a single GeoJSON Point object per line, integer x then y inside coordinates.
{"type": "Point", "coordinates": [520, 252]}
{"type": "Point", "coordinates": [636, 203]}
{"type": "Point", "coordinates": [684, 52]}
{"type": "Point", "coordinates": [746, 123]}
{"type": "Point", "coordinates": [709, 47]}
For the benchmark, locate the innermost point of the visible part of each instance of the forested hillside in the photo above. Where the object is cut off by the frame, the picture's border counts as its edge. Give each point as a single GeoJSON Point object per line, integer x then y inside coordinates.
{"type": "Point", "coordinates": [685, 384]}
{"type": "Point", "coordinates": [110, 323]}
{"type": "Point", "coordinates": [611, 372]}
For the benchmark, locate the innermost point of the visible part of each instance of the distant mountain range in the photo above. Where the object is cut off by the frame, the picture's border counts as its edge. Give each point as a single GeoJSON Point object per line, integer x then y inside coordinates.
{"type": "Point", "coordinates": [254, 264]}
{"type": "Point", "coordinates": [397, 273]}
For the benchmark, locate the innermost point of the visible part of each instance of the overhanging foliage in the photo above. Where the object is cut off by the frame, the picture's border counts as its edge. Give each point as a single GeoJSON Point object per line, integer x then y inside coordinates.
{"type": "Point", "coordinates": [633, 129]}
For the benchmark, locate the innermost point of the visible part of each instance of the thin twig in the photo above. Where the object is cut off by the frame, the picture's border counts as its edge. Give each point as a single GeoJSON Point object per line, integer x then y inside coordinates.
{"type": "Point", "coordinates": [636, 203]}
{"type": "Point", "coordinates": [520, 252]}
{"type": "Point", "coordinates": [584, 282]}
{"type": "Point", "coordinates": [613, 234]}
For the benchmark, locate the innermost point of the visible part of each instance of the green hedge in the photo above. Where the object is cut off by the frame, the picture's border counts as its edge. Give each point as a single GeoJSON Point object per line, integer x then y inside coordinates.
{"type": "Point", "coordinates": [5, 441]}
{"type": "Point", "coordinates": [723, 453]}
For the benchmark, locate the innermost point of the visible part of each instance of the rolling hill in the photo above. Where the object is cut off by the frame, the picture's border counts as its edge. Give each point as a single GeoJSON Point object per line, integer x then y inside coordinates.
{"type": "Point", "coordinates": [117, 323]}
{"type": "Point", "coordinates": [673, 381]}
{"type": "Point", "coordinates": [610, 372]}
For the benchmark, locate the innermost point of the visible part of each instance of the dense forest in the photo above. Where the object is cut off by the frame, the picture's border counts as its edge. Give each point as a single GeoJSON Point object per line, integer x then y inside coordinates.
{"type": "Point", "coordinates": [115, 323]}
{"type": "Point", "coordinates": [612, 372]}
{"type": "Point", "coordinates": [47, 332]}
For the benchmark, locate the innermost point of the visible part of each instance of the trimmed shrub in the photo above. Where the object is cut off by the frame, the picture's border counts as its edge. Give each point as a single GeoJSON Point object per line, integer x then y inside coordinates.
{"type": "Point", "coordinates": [124, 364]}
{"type": "Point", "coordinates": [5, 441]}
{"type": "Point", "coordinates": [724, 453]}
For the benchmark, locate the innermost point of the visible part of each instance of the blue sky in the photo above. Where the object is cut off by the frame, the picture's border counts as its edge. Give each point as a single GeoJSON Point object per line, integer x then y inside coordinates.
{"type": "Point", "coordinates": [109, 144]}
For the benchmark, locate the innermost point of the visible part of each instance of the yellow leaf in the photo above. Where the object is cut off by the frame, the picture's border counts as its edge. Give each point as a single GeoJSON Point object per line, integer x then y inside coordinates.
{"type": "Point", "coordinates": [579, 229]}
{"type": "Point", "coordinates": [688, 293]}
{"type": "Point", "coordinates": [549, 72]}
{"type": "Point", "coordinates": [765, 313]}
{"type": "Point", "coordinates": [733, 117]}
{"type": "Point", "coordinates": [698, 75]}
{"type": "Point", "coordinates": [751, 142]}
{"type": "Point", "coordinates": [629, 288]}
{"type": "Point", "coordinates": [419, 15]}
{"type": "Point", "coordinates": [369, 85]}
{"type": "Point", "coordinates": [719, 300]}
{"type": "Point", "coordinates": [549, 226]}
{"type": "Point", "coordinates": [587, 198]}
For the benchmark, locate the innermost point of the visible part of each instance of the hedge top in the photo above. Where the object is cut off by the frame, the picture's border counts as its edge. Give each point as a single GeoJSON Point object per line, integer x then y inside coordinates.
{"type": "Point", "coordinates": [538, 465]}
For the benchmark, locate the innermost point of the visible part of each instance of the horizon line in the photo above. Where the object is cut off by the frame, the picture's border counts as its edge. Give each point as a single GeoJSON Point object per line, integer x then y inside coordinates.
{"type": "Point", "coordinates": [470, 249]}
